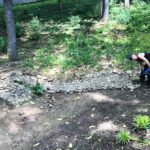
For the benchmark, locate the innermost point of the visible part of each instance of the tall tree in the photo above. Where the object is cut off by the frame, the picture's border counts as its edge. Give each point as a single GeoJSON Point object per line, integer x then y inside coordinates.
{"type": "Point", "coordinates": [127, 3]}
{"type": "Point", "coordinates": [11, 32]}
{"type": "Point", "coordinates": [60, 5]}
{"type": "Point", "coordinates": [104, 10]}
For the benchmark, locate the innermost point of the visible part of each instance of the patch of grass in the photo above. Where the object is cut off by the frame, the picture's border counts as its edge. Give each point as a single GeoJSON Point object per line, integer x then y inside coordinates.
{"type": "Point", "coordinates": [141, 122]}
{"type": "Point", "coordinates": [144, 141]}
{"type": "Point", "coordinates": [81, 50]}
{"type": "Point", "coordinates": [37, 89]}
{"type": "Point", "coordinates": [123, 137]}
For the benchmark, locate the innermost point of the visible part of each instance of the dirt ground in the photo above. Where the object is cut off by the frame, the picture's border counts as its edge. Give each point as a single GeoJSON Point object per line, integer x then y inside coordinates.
{"type": "Point", "coordinates": [80, 121]}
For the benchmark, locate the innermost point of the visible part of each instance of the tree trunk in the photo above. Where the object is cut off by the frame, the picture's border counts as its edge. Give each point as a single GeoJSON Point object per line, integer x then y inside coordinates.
{"type": "Point", "coordinates": [127, 3]}
{"type": "Point", "coordinates": [104, 10]}
{"type": "Point", "coordinates": [11, 32]}
{"type": "Point", "coordinates": [60, 6]}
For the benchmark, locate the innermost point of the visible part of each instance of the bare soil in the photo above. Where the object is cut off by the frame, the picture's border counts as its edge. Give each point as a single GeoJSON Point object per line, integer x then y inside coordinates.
{"type": "Point", "coordinates": [80, 121]}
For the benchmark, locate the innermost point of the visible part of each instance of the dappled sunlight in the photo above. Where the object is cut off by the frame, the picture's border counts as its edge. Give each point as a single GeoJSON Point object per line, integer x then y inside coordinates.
{"type": "Point", "coordinates": [4, 140]}
{"type": "Point", "coordinates": [3, 85]}
{"type": "Point", "coordinates": [122, 39]}
{"type": "Point", "coordinates": [105, 126]}
{"type": "Point", "coordinates": [2, 114]}
{"type": "Point", "coordinates": [29, 111]}
{"type": "Point", "coordinates": [24, 39]}
{"type": "Point", "coordinates": [17, 118]}
{"type": "Point", "coordinates": [99, 97]}
{"type": "Point", "coordinates": [142, 110]}
{"type": "Point", "coordinates": [135, 101]}
{"type": "Point", "coordinates": [53, 72]}
{"type": "Point", "coordinates": [3, 58]}
{"type": "Point", "coordinates": [14, 127]}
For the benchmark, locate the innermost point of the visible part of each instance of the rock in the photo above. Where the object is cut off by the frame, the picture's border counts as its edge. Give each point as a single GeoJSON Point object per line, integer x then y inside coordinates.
{"type": "Point", "coordinates": [129, 72]}
{"type": "Point", "coordinates": [13, 87]}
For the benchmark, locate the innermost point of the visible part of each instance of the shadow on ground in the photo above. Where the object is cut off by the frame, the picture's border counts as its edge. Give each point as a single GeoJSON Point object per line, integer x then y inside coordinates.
{"type": "Point", "coordinates": [94, 119]}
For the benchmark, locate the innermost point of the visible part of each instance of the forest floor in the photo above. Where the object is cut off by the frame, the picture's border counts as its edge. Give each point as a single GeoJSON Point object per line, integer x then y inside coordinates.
{"type": "Point", "coordinates": [79, 121]}
{"type": "Point", "coordinates": [71, 43]}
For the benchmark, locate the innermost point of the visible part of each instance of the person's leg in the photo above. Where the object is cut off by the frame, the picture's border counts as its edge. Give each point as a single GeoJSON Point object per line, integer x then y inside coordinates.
{"type": "Point", "coordinates": [142, 74]}
{"type": "Point", "coordinates": [145, 67]}
{"type": "Point", "coordinates": [148, 78]}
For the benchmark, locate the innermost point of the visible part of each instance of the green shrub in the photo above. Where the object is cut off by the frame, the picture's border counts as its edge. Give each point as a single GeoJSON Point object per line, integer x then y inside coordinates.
{"type": "Point", "coordinates": [37, 89]}
{"type": "Point", "coordinates": [141, 122]}
{"type": "Point", "coordinates": [123, 137]}
{"type": "Point", "coordinates": [34, 28]}
{"type": "Point", "coordinates": [3, 44]}
{"type": "Point", "coordinates": [120, 14]}
{"type": "Point", "coordinates": [140, 18]}
{"type": "Point", "coordinates": [19, 30]}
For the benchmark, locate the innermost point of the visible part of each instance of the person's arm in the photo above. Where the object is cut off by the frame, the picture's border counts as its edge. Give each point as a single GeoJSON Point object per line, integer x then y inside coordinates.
{"type": "Point", "coordinates": [142, 57]}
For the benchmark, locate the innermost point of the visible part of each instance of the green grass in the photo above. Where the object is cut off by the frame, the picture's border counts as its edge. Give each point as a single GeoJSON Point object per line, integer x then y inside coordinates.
{"type": "Point", "coordinates": [69, 40]}
{"type": "Point", "coordinates": [141, 122]}
{"type": "Point", "coordinates": [37, 89]}
{"type": "Point", "coordinates": [123, 137]}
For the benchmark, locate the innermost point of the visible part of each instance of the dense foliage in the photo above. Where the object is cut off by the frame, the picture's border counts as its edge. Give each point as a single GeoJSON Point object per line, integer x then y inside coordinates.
{"type": "Point", "coordinates": [48, 38]}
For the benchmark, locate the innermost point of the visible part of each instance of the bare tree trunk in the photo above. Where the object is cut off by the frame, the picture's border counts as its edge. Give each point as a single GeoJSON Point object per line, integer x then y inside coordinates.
{"type": "Point", "coordinates": [60, 5]}
{"type": "Point", "coordinates": [11, 32]}
{"type": "Point", "coordinates": [127, 3]}
{"type": "Point", "coordinates": [104, 10]}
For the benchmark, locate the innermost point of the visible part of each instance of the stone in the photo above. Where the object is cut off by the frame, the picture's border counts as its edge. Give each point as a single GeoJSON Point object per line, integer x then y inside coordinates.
{"type": "Point", "coordinates": [13, 88]}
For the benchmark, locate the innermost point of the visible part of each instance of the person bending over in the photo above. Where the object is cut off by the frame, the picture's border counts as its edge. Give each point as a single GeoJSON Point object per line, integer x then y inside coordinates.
{"type": "Point", "coordinates": [144, 59]}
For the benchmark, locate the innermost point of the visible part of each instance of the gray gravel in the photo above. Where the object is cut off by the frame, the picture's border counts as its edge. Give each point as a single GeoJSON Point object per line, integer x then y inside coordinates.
{"type": "Point", "coordinates": [13, 85]}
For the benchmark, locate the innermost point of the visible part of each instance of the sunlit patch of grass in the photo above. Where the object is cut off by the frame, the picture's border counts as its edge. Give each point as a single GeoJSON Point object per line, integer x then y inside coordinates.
{"type": "Point", "coordinates": [71, 40]}
{"type": "Point", "coordinates": [3, 58]}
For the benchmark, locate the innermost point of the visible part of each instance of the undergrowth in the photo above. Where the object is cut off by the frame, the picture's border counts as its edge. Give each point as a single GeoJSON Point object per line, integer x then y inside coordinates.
{"type": "Point", "coordinates": [66, 40]}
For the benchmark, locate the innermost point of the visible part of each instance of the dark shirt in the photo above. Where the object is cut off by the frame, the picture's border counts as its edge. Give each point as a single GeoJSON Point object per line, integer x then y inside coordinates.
{"type": "Point", "coordinates": [147, 56]}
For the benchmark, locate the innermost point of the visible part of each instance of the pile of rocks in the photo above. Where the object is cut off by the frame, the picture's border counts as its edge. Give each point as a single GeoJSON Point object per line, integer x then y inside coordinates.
{"type": "Point", "coordinates": [96, 81]}
{"type": "Point", "coordinates": [13, 85]}
{"type": "Point", "coordinates": [12, 89]}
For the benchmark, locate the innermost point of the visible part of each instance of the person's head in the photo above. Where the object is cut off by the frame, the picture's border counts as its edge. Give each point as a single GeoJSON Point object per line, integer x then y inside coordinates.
{"type": "Point", "coordinates": [132, 57]}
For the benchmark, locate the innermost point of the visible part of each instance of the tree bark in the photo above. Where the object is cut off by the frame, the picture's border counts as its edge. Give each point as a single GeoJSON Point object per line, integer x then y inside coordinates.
{"type": "Point", "coordinates": [127, 3]}
{"type": "Point", "coordinates": [104, 10]}
{"type": "Point", "coordinates": [60, 6]}
{"type": "Point", "coordinates": [11, 32]}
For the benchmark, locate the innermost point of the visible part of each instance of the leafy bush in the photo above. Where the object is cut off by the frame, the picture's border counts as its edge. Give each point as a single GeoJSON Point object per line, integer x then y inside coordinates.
{"type": "Point", "coordinates": [86, 8]}
{"type": "Point", "coordinates": [74, 21]}
{"type": "Point", "coordinates": [70, 26]}
{"type": "Point", "coordinates": [140, 18]}
{"type": "Point", "coordinates": [34, 28]}
{"type": "Point", "coordinates": [120, 14]}
{"type": "Point", "coordinates": [37, 89]}
{"type": "Point", "coordinates": [123, 137]}
{"type": "Point", "coordinates": [141, 122]}
{"type": "Point", "coordinates": [19, 30]}
{"type": "Point", "coordinates": [3, 44]}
